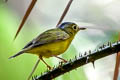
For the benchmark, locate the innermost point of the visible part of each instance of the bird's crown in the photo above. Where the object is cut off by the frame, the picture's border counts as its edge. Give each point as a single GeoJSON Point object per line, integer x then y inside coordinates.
{"type": "Point", "coordinates": [62, 25]}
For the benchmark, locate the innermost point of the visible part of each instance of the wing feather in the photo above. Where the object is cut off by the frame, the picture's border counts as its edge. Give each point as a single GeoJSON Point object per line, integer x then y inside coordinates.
{"type": "Point", "coordinates": [49, 36]}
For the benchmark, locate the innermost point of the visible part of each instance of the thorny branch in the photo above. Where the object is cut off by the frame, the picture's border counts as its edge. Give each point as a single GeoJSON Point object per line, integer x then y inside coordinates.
{"type": "Point", "coordinates": [103, 51]}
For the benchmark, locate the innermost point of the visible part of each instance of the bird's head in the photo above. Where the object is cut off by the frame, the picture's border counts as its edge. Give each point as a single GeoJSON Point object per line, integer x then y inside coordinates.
{"type": "Point", "coordinates": [70, 27]}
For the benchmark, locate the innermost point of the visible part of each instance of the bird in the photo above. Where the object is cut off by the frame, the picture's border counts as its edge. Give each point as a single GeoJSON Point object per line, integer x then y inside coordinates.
{"type": "Point", "coordinates": [51, 43]}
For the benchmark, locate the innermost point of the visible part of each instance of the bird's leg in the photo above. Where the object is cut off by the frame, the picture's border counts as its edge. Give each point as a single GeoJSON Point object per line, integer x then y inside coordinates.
{"type": "Point", "coordinates": [34, 68]}
{"type": "Point", "coordinates": [65, 61]}
{"type": "Point", "coordinates": [46, 63]}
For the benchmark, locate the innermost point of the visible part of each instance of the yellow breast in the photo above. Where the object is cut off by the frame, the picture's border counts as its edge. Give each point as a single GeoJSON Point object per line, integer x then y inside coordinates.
{"type": "Point", "coordinates": [51, 49]}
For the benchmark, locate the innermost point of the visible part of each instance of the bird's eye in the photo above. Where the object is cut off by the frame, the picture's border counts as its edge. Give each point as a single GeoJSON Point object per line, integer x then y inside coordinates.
{"type": "Point", "coordinates": [74, 27]}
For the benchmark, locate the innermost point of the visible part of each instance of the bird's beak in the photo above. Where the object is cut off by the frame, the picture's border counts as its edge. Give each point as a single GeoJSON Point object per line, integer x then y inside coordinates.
{"type": "Point", "coordinates": [82, 28]}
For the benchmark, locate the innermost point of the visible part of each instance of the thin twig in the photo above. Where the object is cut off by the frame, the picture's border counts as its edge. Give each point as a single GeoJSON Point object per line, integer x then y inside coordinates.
{"type": "Point", "coordinates": [33, 70]}
{"type": "Point", "coordinates": [106, 50]}
{"type": "Point", "coordinates": [116, 71]}
{"type": "Point", "coordinates": [30, 9]}
{"type": "Point", "coordinates": [25, 17]}
{"type": "Point", "coordinates": [65, 12]}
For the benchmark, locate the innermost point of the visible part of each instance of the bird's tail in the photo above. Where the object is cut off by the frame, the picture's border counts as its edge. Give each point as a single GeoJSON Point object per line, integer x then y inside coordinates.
{"type": "Point", "coordinates": [19, 53]}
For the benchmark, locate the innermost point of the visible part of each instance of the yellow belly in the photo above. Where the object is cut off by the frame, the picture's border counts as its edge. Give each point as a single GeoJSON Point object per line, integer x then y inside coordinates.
{"type": "Point", "coordinates": [51, 49]}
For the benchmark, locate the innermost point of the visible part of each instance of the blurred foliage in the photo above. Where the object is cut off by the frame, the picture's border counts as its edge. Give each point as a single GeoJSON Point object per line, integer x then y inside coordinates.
{"type": "Point", "coordinates": [20, 67]}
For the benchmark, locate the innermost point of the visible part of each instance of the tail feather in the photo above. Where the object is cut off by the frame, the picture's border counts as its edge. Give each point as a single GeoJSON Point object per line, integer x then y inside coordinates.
{"type": "Point", "coordinates": [19, 53]}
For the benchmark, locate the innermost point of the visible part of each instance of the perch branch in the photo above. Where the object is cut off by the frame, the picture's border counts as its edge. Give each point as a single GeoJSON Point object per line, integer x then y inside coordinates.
{"type": "Point", "coordinates": [103, 51]}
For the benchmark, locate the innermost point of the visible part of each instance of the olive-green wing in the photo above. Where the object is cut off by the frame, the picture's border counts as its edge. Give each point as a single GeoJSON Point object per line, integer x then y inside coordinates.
{"type": "Point", "coordinates": [47, 37]}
